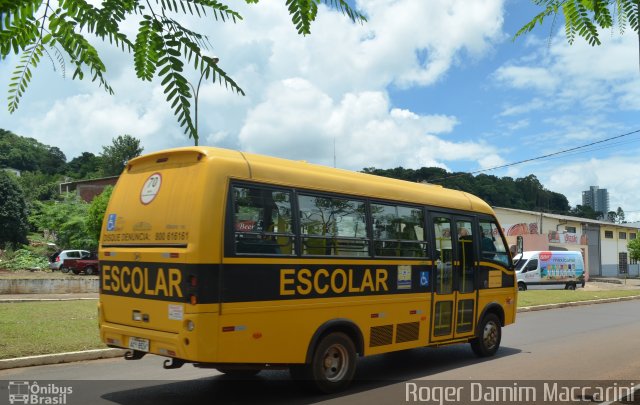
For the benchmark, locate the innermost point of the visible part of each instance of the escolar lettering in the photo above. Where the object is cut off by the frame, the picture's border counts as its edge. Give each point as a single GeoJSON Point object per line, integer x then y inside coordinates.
{"type": "Point", "coordinates": [125, 279]}
{"type": "Point", "coordinates": [336, 281]}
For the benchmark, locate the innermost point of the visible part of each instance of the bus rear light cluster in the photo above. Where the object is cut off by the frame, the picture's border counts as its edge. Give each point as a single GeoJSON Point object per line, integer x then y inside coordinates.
{"type": "Point", "coordinates": [193, 281]}
{"type": "Point", "coordinates": [114, 342]}
{"type": "Point", "coordinates": [193, 299]}
{"type": "Point", "coordinates": [166, 352]}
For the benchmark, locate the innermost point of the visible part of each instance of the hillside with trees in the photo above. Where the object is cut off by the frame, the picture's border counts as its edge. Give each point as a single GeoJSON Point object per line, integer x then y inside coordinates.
{"type": "Point", "coordinates": [33, 213]}
{"type": "Point", "coordinates": [526, 193]}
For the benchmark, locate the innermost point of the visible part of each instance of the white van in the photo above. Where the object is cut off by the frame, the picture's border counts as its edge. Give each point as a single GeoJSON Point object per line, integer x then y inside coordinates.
{"type": "Point", "coordinates": [550, 268]}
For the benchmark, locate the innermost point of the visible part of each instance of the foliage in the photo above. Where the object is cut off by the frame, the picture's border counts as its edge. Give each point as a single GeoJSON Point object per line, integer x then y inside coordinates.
{"type": "Point", "coordinates": [523, 193]}
{"type": "Point", "coordinates": [24, 259]}
{"type": "Point", "coordinates": [27, 154]}
{"type": "Point", "coordinates": [67, 218]}
{"type": "Point", "coordinates": [616, 217]}
{"type": "Point", "coordinates": [634, 249]}
{"type": "Point", "coordinates": [85, 166]}
{"type": "Point", "coordinates": [584, 17]}
{"type": "Point", "coordinates": [162, 46]}
{"type": "Point", "coordinates": [39, 186]}
{"type": "Point", "coordinates": [585, 211]}
{"type": "Point", "coordinates": [96, 212]}
{"type": "Point", "coordinates": [14, 225]}
{"type": "Point", "coordinates": [115, 157]}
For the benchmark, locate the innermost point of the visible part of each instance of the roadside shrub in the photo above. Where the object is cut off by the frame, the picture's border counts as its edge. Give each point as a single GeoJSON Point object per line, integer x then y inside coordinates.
{"type": "Point", "coordinates": [23, 259]}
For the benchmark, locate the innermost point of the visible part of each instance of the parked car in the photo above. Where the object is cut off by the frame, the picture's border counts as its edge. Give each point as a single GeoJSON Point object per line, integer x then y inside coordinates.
{"type": "Point", "coordinates": [56, 261]}
{"type": "Point", "coordinates": [87, 265]}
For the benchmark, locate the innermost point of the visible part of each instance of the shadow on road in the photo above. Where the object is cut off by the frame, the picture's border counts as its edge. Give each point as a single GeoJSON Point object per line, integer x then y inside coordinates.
{"type": "Point", "coordinates": [270, 387]}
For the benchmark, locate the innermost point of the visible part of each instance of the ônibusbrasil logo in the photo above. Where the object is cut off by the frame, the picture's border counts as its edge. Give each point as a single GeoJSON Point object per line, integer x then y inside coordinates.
{"type": "Point", "coordinates": [25, 392]}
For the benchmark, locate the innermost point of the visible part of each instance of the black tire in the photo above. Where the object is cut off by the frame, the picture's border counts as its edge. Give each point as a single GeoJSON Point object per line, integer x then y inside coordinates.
{"type": "Point", "coordinates": [488, 336]}
{"type": "Point", "coordinates": [239, 373]}
{"type": "Point", "coordinates": [75, 271]}
{"type": "Point", "coordinates": [522, 286]}
{"type": "Point", "coordinates": [89, 271]}
{"type": "Point", "coordinates": [332, 366]}
{"type": "Point", "coordinates": [570, 286]}
{"type": "Point", "coordinates": [64, 269]}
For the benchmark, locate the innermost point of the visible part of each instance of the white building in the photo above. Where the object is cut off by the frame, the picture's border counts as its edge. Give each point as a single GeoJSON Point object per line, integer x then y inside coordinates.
{"type": "Point", "coordinates": [603, 244]}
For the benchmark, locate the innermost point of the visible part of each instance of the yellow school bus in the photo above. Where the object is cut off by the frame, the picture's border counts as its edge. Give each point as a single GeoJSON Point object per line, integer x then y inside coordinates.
{"type": "Point", "coordinates": [241, 262]}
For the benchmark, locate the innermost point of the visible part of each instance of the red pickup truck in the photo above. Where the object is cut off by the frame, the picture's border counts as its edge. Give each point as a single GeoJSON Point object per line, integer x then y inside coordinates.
{"type": "Point", "coordinates": [87, 265]}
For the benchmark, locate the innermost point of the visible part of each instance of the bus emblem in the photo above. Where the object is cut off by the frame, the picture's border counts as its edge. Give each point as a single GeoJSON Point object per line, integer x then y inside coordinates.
{"type": "Point", "coordinates": [150, 188]}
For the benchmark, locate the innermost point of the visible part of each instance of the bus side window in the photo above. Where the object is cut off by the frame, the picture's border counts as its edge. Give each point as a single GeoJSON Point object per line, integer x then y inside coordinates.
{"type": "Point", "coordinates": [398, 231]}
{"type": "Point", "coordinates": [333, 226]}
{"type": "Point", "coordinates": [492, 245]}
{"type": "Point", "coordinates": [262, 221]}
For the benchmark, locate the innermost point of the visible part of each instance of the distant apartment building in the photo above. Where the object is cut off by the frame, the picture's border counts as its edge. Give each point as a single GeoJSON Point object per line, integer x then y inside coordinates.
{"type": "Point", "coordinates": [597, 198]}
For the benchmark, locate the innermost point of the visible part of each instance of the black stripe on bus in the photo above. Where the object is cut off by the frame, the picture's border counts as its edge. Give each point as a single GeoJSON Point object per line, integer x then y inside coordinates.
{"type": "Point", "coordinates": [214, 283]}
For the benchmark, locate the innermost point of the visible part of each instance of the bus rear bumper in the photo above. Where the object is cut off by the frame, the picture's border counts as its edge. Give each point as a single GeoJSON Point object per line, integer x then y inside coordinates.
{"type": "Point", "coordinates": [183, 345]}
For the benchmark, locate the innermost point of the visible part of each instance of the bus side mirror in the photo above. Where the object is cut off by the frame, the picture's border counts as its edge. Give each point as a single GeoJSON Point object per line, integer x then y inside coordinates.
{"type": "Point", "coordinates": [520, 245]}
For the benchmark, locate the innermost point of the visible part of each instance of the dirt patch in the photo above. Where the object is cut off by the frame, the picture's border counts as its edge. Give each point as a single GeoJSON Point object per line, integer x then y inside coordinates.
{"type": "Point", "coordinates": [603, 286]}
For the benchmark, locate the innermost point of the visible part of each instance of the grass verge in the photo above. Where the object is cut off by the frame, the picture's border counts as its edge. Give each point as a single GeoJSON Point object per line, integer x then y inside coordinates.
{"type": "Point", "coordinates": [540, 297]}
{"type": "Point", "coordinates": [32, 328]}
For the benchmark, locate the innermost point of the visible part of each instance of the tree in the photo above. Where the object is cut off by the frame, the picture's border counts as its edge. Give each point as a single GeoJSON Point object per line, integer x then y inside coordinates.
{"type": "Point", "coordinates": [115, 157]}
{"type": "Point", "coordinates": [84, 166]}
{"type": "Point", "coordinates": [612, 217]}
{"type": "Point", "coordinates": [584, 17]}
{"type": "Point", "coordinates": [634, 249]}
{"type": "Point", "coordinates": [95, 215]}
{"type": "Point", "coordinates": [39, 186]}
{"type": "Point", "coordinates": [67, 219]}
{"type": "Point", "coordinates": [620, 215]}
{"type": "Point", "coordinates": [162, 47]}
{"type": "Point", "coordinates": [27, 154]}
{"type": "Point", "coordinates": [14, 224]}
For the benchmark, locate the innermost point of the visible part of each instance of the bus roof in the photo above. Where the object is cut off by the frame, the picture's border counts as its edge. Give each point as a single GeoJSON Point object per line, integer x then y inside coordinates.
{"type": "Point", "coordinates": [285, 172]}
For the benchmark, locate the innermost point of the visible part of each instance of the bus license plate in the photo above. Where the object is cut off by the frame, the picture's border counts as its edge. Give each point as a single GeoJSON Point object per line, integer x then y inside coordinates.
{"type": "Point", "coordinates": [139, 344]}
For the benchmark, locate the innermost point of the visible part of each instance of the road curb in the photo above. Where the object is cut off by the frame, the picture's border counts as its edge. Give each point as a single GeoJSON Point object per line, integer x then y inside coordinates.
{"type": "Point", "coordinates": [47, 359]}
{"type": "Point", "coordinates": [577, 303]}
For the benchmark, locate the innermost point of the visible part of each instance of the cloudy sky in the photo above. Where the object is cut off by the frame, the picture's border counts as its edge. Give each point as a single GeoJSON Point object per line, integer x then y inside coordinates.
{"type": "Point", "coordinates": [422, 83]}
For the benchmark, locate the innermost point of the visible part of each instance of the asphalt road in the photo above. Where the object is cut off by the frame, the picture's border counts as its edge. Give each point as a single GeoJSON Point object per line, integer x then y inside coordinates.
{"type": "Point", "coordinates": [589, 343]}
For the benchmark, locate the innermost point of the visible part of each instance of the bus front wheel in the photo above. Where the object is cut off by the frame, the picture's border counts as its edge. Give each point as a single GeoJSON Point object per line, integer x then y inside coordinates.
{"type": "Point", "coordinates": [488, 336]}
{"type": "Point", "coordinates": [332, 366]}
{"type": "Point", "coordinates": [522, 286]}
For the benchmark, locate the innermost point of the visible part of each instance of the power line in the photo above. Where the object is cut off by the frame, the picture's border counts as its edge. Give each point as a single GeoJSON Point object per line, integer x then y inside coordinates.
{"type": "Point", "coordinates": [539, 157]}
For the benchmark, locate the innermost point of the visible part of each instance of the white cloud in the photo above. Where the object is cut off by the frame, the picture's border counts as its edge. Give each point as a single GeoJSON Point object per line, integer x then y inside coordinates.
{"type": "Point", "coordinates": [526, 77]}
{"type": "Point", "coordinates": [600, 78]}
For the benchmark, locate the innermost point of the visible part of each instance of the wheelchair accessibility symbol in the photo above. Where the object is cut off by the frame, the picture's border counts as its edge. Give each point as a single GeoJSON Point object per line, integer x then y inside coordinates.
{"type": "Point", "coordinates": [424, 279]}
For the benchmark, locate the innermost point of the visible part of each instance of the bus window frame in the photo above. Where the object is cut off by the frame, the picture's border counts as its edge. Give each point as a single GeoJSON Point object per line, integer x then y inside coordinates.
{"type": "Point", "coordinates": [297, 236]}
{"type": "Point", "coordinates": [229, 230]}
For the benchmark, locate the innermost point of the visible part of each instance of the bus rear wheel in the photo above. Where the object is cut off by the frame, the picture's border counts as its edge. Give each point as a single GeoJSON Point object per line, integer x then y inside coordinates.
{"type": "Point", "coordinates": [332, 366]}
{"type": "Point", "coordinates": [488, 336]}
{"type": "Point", "coordinates": [570, 286]}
